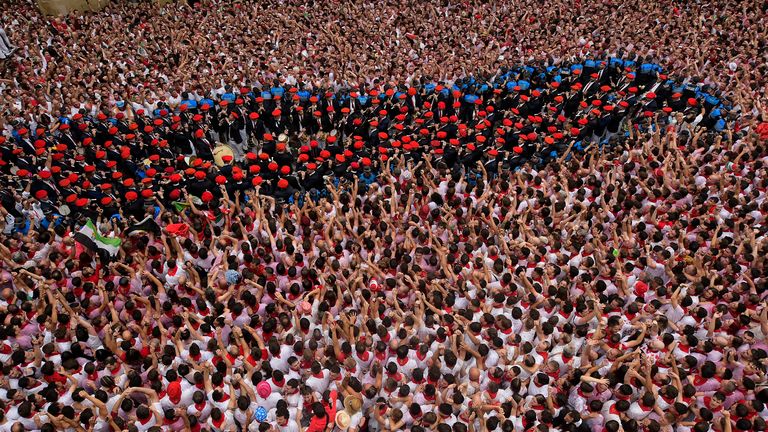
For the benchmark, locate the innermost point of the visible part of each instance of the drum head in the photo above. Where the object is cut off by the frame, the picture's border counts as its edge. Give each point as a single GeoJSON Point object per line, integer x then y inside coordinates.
{"type": "Point", "coordinates": [219, 152]}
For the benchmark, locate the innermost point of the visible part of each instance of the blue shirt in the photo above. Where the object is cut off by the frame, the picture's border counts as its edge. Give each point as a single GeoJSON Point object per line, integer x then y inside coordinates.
{"type": "Point", "coordinates": [278, 91]}
{"type": "Point", "coordinates": [189, 103]}
{"type": "Point", "coordinates": [304, 94]}
{"type": "Point", "coordinates": [229, 97]}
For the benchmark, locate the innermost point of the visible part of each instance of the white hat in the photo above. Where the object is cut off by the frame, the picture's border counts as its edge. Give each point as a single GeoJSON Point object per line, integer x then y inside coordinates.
{"type": "Point", "coordinates": [343, 420]}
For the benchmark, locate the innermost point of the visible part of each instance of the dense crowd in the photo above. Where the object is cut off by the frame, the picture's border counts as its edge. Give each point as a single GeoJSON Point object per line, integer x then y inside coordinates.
{"type": "Point", "coordinates": [382, 216]}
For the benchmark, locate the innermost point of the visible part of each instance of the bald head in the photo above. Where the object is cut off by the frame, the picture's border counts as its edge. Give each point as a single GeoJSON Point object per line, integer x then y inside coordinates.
{"type": "Point", "coordinates": [474, 374]}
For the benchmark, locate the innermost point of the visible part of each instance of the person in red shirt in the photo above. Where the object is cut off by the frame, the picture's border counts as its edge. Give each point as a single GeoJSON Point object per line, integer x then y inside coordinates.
{"type": "Point", "coordinates": [320, 418]}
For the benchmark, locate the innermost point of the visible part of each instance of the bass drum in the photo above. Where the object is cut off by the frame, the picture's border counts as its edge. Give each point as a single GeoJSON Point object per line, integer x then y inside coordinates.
{"type": "Point", "coordinates": [219, 152]}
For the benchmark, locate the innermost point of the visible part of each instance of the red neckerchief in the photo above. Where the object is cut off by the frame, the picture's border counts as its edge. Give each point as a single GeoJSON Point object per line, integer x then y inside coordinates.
{"type": "Point", "coordinates": [397, 376]}
{"type": "Point", "coordinates": [251, 361]}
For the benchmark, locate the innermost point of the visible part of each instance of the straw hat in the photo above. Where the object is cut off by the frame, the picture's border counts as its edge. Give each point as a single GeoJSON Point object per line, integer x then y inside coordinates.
{"type": "Point", "coordinates": [343, 420]}
{"type": "Point", "coordinates": [352, 404]}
